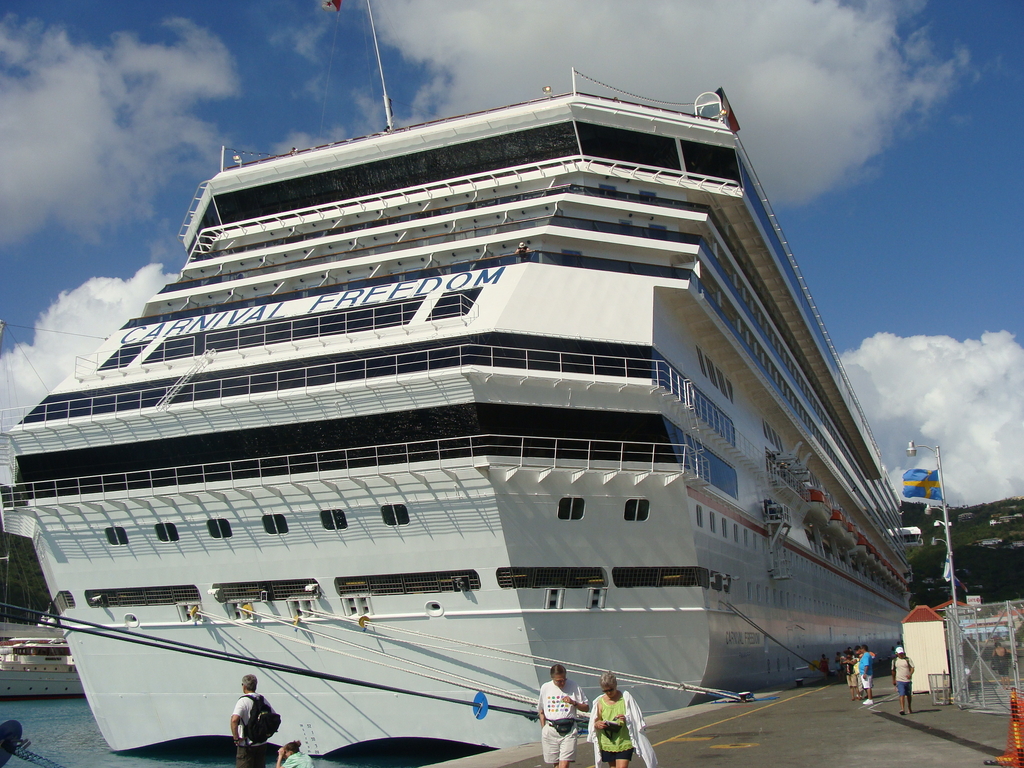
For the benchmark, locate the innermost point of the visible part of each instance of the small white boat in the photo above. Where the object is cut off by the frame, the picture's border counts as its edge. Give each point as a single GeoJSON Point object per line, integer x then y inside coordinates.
{"type": "Point", "coordinates": [38, 668]}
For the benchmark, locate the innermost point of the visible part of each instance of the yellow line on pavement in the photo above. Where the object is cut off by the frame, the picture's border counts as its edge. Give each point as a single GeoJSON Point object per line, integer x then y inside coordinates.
{"type": "Point", "coordinates": [678, 737]}
{"type": "Point", "coordinates": [736, 717]}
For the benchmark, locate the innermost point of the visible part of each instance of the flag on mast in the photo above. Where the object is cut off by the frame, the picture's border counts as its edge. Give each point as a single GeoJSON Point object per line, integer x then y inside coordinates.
{"type": "Point", "coordinates": [921, 482]}
{"type": "Point", "coordinates": [331, 5]}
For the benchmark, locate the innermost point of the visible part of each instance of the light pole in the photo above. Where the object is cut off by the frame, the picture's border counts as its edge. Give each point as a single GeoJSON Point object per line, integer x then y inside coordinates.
{"type": "Point", "coordinates": [955, 620]}
{"type": "Point", "coordinates": [912, 451]}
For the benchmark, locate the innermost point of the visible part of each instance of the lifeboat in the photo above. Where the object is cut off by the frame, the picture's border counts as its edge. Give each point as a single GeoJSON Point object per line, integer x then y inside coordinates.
{"type": "Point", "coordinates": [818, 510]}
{"type": "Point", "coordinates": [840, 530]}
{"type": "Point", "coordinates": [860, 549]}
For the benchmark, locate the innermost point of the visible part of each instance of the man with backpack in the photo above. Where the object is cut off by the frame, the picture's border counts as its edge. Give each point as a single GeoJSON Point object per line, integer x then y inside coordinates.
{"type": "Point", "coordinates": [252, 723]}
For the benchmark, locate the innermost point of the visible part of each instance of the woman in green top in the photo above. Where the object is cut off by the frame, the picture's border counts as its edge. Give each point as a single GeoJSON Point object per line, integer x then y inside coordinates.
{"type": "Point", "coordinates": [612, 733]}
{"type": "Point", "coordinates": [289, 756]}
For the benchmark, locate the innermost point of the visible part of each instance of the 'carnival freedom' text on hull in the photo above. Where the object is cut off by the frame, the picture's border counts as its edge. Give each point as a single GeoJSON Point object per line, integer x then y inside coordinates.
{"type": "Point", "coordinates": [434, 408]}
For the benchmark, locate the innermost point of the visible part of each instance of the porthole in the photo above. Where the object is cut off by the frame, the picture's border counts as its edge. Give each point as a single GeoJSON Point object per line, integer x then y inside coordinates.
{"type": "Point", "coordinates": [395, 514]}
{"type": "Point", "coordinates": [275, 524]}
{"type": "Point", "coordinates": [434, 608]}
{"type": "Point", "coordinates": [219, 528]}
{"type": "Point", "coordinates": [637, 510]}
{"type": "Point", "coordinates": [333, 519]}
{"type": "Point", "coordinates": [571, 508]}
{"type": "Point", "coordinates": [117, 536]}
{"type": "Point", "coordinates": [166, 531]}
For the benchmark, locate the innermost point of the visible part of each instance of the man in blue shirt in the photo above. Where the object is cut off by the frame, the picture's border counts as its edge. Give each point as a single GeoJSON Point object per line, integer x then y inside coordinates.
{"type": "Point", "coordinates": [866, 669]}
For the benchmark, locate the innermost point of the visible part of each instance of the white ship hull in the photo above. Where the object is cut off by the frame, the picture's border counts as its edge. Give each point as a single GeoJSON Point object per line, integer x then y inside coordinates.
{"type": "Point", "coordinates": [538, 462]}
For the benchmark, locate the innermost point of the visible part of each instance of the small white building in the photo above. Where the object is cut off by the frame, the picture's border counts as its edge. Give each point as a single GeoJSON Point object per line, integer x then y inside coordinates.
{"type": "Point", "coordinates": [925, 642]}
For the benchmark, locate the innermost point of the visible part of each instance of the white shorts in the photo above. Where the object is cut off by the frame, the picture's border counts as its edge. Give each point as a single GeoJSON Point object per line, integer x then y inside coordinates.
{"type": "Point", "coordinates": [557, 748]}
{"type": "Point", "coordinates": [866, 681]}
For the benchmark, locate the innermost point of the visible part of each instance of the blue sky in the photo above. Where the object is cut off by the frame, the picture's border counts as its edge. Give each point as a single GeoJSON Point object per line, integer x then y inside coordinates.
{"type": "Point", "coordinates": [886, 133]}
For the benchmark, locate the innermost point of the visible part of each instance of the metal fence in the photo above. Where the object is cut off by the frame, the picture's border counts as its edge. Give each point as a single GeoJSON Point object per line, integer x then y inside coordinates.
{"type": "Point", "coordinates": [984, 652]}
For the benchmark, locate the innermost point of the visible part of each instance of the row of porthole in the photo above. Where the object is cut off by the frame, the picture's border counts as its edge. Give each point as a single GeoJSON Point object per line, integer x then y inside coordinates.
{"type": "Point", "coordinates": [634, 511]}
{"type": "Point", "coordinates": [275, 524]}
{"type": "Point", "coordinates": [569, 508]}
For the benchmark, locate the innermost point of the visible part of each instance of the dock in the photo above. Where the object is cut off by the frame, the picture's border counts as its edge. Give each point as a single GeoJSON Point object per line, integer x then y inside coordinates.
{"type": "Point", "coordinates": [816, 725]}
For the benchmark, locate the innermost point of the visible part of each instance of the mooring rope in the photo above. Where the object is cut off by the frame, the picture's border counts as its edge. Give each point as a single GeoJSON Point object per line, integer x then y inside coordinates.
{"type": "Point", "coordinates": [531, 659]}
{"type": "Point", "coordinates": [127, 636]}
{"type": "Point", "coordinates": [23, 752]}
{"type": "Point", "coordinates": [766, 634]}
{"type": "Point", "coordinates": [456, 680]}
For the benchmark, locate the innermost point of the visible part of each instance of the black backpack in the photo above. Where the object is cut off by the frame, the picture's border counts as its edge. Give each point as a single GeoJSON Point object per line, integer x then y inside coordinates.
{"type": "Point", "coordinates": [263, 721]}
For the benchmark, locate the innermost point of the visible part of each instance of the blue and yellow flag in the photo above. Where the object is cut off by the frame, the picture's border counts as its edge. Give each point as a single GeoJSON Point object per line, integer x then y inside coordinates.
{"type": "Point", "coordinates": [921, 482]}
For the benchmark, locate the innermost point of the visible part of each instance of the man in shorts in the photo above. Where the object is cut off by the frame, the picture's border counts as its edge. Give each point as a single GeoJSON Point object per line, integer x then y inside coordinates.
{"type": "Point", "coordinates": [902, 676]}
{"type": "Point", "coordinates": [557, 706]}
{"type": "Point", "coordinates": [867, 674]}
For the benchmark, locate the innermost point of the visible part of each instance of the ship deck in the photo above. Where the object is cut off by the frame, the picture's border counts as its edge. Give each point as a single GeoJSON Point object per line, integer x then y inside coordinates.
{"type": "Point", "coordinates": [812, 725]}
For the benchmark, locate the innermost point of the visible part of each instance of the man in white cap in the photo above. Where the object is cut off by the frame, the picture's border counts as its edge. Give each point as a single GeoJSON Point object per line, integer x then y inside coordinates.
{"type": "Point", "coordinates": [902, 675]}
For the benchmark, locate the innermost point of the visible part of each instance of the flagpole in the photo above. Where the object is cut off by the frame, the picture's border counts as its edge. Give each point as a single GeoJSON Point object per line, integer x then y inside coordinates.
{"type": "Point", "coordinates": [953, 616]}
{"type": "Point", "coordinates": [384, 86]}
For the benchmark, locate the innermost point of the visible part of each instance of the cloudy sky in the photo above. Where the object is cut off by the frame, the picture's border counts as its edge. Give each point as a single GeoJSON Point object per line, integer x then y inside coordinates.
{"type": "Point", "coordinates": [886, 133]}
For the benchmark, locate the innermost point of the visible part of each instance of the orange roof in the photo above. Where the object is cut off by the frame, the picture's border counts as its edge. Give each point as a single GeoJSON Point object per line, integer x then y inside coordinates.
{"type": "Point", "coordinates": [922, 613]}
{"type": "Point", "coordinates": [947, 603]}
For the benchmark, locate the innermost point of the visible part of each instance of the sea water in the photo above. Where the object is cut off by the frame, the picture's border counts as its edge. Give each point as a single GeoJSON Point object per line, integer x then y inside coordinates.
{"type": "Point", "coordinates": [64, 731]}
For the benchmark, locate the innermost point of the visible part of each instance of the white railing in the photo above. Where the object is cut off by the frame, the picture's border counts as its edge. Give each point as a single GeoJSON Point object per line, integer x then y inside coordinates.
{"type": "Point", "coordinates": [500, 450]}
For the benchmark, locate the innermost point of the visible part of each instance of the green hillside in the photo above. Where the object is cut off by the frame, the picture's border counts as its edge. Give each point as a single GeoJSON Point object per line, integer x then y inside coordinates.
{"type": "Point", "coordinates": [21, 579]}
{"type": "Point", "coordinates": [995, 571]}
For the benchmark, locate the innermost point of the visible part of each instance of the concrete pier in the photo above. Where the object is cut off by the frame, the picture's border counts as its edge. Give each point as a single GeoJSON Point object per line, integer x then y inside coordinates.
{"type": "Point", "coordinates": [809, 726]}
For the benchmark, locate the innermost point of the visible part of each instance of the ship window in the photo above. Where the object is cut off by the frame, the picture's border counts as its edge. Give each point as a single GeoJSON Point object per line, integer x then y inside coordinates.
{"type": "Point", "coordinates": [166, 531]}
{"type": "Point", "coordinates": [129, 596]}
{"type": "Point", "coordinates": [544, 578]}
{"type": "Point", "coordinates": [408, 583]}
{"type": "Point", "coordinates": [123, 356]}
{"type": "Point", "coordinates": [116, 535]}
{"type": "Point", "coordinates": [709, 160]}
{"type": "Point", "coordinates": [637, 510]}
{"type": "Point", "coordinates": [461, 159]}
{"type": "Point", "coordinates": [219, 528]}
{"type": "Point", "coordinates": [669, 576]}
{"type": "Point", "coordinates": [64, 601]}
{"type": "Point", "coordinates": [700, 516]}
{"type": "Point", "coordinates": [395, 514]}
{"type": "Point", "coordinates": [711, 521]}
{"type": "Point", "coordinates": [628, 146]}
{"type": "Point", "coordinates": [725, 528]}
{"type": "Point", "coordinates": [333, 519]}
{"type": "Point", "coordinates": [746, 537]}
{"type": "Point", "coordinates": [570, 508]}
{"type": "Point", "coordinates": [343, 321]}
{"type": "Point", "coordinates": [275, 524]}
{"type": "Point", "coordinates": [455, 304]}
{"type": "Point", "coordinates": [772, 436]}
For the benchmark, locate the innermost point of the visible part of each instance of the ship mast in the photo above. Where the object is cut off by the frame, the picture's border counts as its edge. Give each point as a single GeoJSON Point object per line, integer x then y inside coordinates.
{"type": "Point", "coordinates": [380, 66]}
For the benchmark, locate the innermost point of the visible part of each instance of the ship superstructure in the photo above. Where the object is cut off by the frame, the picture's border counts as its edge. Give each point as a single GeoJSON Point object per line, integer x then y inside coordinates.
{"type": "Point", "coordinates": [542, 380]}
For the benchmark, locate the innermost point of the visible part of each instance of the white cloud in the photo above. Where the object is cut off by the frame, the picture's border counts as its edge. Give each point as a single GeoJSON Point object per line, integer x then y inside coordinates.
{"type": "Point", "coordinates": [965, 396]}
{"type": "Point", "coordinates": [819, 86]}
{"type": "Point", "coordinates": [96, 308]}
{"type": "Point", "coordinates": [87, 134]}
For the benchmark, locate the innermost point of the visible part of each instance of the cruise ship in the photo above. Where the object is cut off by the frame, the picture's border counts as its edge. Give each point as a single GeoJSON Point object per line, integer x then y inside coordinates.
{"type": "Point", "coordinates": [429, 410]}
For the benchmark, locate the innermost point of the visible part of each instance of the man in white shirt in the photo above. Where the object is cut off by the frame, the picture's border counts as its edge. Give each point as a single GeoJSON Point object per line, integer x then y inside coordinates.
{"type": "Point", "coordinates": [247, 754]}
{"type": "Point", "coordinates": [557, 706]}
